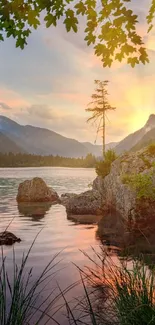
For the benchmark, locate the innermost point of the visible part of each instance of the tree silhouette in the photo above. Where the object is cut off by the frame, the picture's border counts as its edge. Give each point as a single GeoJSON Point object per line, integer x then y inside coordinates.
{"type": "Point", "coordinates": [99, 106]}
{"type": "Point", "coordinates": [111, 25]}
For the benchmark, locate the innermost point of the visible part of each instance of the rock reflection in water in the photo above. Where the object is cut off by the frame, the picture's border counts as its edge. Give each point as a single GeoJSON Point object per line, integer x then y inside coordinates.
{"type": "Point", "coordinates": [35, 211]}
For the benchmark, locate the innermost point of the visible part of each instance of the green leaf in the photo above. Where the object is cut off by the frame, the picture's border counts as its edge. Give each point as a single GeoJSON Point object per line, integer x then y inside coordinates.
{"type": "Point", "coordinates": [119, 56]}
{"type": "Point", "coordinates": [80, 8]}
{"type": "Point", "coordinates": [71, 21]}
{"type": "Point", "coordinates": [1, 37]}
{"type": "Point", "coordinates": [133, 61]}
{"type": "Point", "coordinates": [50, 20]}
{"type": "Point", "coordinates": [90, 38]}
{"type": "Point", "coordinates": [150, 28]}
{"type": "Point", "coordinates": [32, 19]}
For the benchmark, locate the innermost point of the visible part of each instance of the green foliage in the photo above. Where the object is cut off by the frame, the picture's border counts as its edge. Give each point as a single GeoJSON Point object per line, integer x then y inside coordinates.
{"type": "Point", "coordinates": [28, 160]}
{"type": "Point", "coordinates": [103, 167]}
{"type": "Point", "coordinates": [141, 183]}
{"type": "Point", "coordinates": [146, 161]}
{"type": "Point", "coordinates": [134, 299]}
{"type": "Point", "coordinates": [110, 25]}
{"type": "Point", "coordinates": [151, 149]}
{"type": "Point", "coordinates": [115, 294]}
{"type": "Point", "coordinates": [110, 155]}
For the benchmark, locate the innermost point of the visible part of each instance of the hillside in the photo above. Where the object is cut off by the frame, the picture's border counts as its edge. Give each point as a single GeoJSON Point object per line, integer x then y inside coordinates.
{"type": "Point", "coordinates": [147, 139]}
{"type": "Point", "coordinates": [133, 139]}
{"type": "Point", "coordinates": [7, 145]}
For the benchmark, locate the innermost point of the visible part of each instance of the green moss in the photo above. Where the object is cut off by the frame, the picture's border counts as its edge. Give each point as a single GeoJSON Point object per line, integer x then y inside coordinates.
{"type": "Point", "coordinates": [141, 183]}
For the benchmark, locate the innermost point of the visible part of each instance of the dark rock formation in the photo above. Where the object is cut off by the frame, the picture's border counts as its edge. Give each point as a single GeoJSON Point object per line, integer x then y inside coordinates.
{"type": "Point", "coordinates": [7, 238]}
{"type": "Point", "coordinates": [87, 203]}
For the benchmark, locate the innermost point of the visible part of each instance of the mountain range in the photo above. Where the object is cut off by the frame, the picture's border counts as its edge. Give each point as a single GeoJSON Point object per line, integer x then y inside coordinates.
{"type": "Point", "coordinates": [40, 141]}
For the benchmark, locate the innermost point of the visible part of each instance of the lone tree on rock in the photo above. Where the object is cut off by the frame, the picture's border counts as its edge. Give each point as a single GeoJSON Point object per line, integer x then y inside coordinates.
{"type": "Point", "coordinates": [99, 106]}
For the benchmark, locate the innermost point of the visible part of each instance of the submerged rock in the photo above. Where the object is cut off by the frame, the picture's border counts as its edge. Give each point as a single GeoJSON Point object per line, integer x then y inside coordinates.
{"type": "Point", "coordinates": [7, 238]}
{"type": "Point", "coordinates": [36, 190]}
{"type": "Point", "coordinates": [87, 203]}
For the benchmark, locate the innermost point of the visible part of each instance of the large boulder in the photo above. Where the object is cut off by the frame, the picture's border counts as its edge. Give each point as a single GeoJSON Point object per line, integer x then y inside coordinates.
{"type": "Point", "coordinates": [36, 190]}
{"type": "Point", "coordinates": [87, 203]}
{"type": "Point", "coordinates": [7, 238]}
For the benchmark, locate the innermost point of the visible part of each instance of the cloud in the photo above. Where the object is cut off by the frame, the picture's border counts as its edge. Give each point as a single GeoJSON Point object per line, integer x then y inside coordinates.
{"type": "Point", "coordinates": [4, 106]}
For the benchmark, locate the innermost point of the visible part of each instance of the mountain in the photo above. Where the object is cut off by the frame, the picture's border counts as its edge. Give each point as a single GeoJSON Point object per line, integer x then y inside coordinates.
{"type": "Point", "coordinates": [147, 139]}
{"type": "Point", "coordinates": [96, 150]}
{"type": "Point", "coordinates": [42, 141]}
{"type": "Point", "coordinates": [133, 139]}
{"type": "Point", "coordinates": [7, 145]}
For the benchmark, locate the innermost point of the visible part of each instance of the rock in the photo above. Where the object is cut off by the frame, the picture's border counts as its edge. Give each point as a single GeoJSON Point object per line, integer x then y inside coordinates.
{"type": "Point", "coordinates": [87, 203]}
{"type": "Point", "coordinates": [119, 196]}
{"type": "Point", "coordinates": [87, 219]}
{"type": "Point", "coordinates": [7, 238]}
{"type": "Point", "coordinates": [66, 197]}
{"type": "Point", "coordinates": [36, 190]}
{"type": "Point", "coordinates": [138, 215]}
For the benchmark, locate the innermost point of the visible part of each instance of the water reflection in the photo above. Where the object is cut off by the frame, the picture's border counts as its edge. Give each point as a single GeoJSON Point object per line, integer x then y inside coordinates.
{"type": "Point", "coordinates": [35, 211]}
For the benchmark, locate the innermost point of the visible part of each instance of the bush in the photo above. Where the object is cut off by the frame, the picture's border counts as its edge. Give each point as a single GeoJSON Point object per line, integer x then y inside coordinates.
{"type": "Point", "coordinates": [103, 167]}
{"type": "Point", "coordinates": [110, 155]}
{"type": "Point", "coordinates": [141, 183]}
{"type": "Point", "coordinates": [151, 149]}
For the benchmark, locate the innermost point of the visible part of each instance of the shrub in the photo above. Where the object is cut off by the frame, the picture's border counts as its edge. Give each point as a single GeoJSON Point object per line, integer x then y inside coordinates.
{"type": "Point", "coordinates": [110, 155]}
{"type": "Point", "coordinates": [103, 167]}
{"type": "Point", "coordinates": [141, 183]}
{"type": "Point", "coordinates": [151, 149]}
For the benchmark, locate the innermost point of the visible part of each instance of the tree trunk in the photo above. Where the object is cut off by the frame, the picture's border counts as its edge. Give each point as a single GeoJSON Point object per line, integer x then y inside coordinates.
{"type": "Point", "coordinates": [103, 135]}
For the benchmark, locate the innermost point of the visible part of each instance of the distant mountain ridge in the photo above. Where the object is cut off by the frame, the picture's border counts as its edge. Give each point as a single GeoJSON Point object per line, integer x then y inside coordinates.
{"type": "Point", "coordinates": [7, 145]}
{"type": "Point", "coordinates": [132, 140]}
{"type": "Point", "coordinates": [147, 139]}
{"type": "Point", "coordinates": [41, 141]}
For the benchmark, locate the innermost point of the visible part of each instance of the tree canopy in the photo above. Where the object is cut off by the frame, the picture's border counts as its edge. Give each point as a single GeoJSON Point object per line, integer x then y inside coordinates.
{"type": "Point", "coordinates": [110, 25]}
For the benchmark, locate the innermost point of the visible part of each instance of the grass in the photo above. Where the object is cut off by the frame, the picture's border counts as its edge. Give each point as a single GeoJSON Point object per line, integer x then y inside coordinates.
{"type": "Point", "coordinates": [113, 294]}
{"type": "Point", "coordinates": [20, 295]}
{"type": "Point", "coordinates": [120, 294]}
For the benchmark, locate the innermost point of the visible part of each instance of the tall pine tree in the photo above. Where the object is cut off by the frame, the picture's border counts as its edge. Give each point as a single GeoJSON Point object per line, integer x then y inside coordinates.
{"type": "Point", "coordinates": [99, 106]}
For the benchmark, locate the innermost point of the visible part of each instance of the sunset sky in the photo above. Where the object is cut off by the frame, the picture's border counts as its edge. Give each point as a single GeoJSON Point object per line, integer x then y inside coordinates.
{"type": "Point", "coordinates": [49, 84]}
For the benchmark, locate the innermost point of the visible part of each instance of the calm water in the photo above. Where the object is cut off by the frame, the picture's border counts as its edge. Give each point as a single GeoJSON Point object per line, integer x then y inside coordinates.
{"type": "Point", "coordinates": [58, 233]}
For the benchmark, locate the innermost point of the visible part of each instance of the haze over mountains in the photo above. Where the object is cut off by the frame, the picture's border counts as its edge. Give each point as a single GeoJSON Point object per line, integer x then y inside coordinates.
{"type": "Point", "coordinates": [29, 139]}
{"type": "Point", "coordinates": [138, 138]}
{"type": "Point", "coordinates": [40, 141]}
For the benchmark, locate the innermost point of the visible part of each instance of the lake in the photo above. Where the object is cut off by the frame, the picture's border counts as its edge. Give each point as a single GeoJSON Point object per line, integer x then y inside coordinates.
{"type": "Point", "coordinates": [57, 232]}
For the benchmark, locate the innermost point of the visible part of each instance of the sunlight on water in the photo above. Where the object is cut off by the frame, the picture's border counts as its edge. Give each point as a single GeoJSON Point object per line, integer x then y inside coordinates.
{"type": "Point", "coordinates": [57, 232]}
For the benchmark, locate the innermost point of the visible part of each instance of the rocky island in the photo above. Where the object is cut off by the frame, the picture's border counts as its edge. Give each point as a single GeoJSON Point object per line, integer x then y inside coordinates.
{"type": "Point", "coordinates": [125, 197]}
